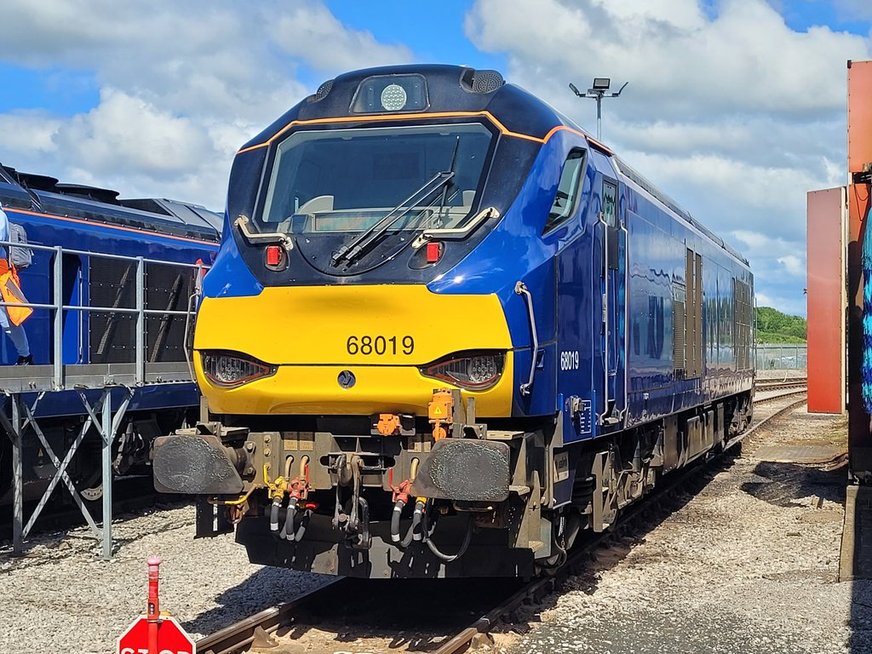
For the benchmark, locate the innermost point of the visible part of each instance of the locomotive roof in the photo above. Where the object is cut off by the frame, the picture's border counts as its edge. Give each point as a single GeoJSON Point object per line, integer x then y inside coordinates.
{"type": "Point", "coordinates": [45, 194]}
{"type": "Point", "coordinates": [460, 89]}
{"type": "Point", "coordinates": [450, 89]}
{"type": "Point", "coordinates": [642, 182]}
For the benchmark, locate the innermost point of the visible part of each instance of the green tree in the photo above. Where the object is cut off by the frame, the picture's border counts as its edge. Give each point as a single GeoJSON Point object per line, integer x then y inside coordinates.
{"type": "Point", "coordinates": [773, 326]}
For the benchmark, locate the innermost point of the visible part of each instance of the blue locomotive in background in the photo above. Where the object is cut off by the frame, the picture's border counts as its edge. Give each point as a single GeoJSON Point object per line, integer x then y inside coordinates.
{"type": "Point", "coordinates": [446, 330]}
{"type": "Point", "coordinates": [100, 240]}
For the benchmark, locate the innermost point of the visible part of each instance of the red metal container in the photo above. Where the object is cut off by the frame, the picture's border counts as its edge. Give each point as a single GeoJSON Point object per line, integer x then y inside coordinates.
{"type": "Point", "coordinates": [826, 300]}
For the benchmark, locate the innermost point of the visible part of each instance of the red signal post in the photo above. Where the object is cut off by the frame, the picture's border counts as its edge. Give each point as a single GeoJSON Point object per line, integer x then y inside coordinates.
{"type": "Point", "coordinates": [153, 616]}
{"type": "Point", "coordinates": [153, 634]}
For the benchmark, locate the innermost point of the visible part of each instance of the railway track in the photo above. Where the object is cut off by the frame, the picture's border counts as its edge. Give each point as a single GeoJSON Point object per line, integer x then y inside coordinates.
{"type": "Point", "coordinates": [303, 620]}
{"type": "Point", "coordinates": [775, 384]}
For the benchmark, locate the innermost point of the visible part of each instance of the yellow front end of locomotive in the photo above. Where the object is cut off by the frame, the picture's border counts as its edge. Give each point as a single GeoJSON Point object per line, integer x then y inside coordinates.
{"type": "Point", "coordinates": [383, 335]}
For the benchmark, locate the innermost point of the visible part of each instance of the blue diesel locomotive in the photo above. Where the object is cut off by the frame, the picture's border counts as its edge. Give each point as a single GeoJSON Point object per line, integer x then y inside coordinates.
{"type": "Point", "coordinates": [99, 238]}
{"type": "Point", "coordinates": [447, 330]}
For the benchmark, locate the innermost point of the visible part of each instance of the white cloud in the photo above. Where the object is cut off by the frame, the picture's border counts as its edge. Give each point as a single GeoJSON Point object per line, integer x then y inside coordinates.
{"type": "Point", "coordinates": [728, 110]}
{"type": "Point", "coordinates": [314, 34]}
{"type": "Point", "coordinates": [30, 133]}
{"type": "Point", "coordinates": [182, 85]}
{"type": "Point", "coordinates": [745, 59]}
{"type": "Point", "coordinates": [130, 132]}
{"type": "Point", "coordinates": [793, 264]}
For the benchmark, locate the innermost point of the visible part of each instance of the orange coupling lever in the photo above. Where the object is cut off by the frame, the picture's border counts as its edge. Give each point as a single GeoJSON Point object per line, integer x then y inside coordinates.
{"type": "Point", "coordinates": [440, 411]}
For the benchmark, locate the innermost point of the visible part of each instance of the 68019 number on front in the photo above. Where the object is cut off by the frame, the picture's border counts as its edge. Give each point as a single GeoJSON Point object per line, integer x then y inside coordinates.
{"type": "Point", "coordinates": [379, 345]}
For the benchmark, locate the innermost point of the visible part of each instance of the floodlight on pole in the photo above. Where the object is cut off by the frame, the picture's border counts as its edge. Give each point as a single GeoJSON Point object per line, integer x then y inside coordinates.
{"type": "Point", "coordinates": [598, 91]}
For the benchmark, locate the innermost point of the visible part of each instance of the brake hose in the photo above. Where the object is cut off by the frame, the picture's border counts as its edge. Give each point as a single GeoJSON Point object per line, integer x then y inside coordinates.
{"type": "Point", "coordinates": [288, 532]}
{"type": "Point", "coordinates": [410, 533]}
{"type": "Point", "coordinates": [274, 515]}
{"type": "Point", "coordinates": [446, 557]}
{"type": "Point", "coordinates": [288, 527]}
{"type": "Point", "coordinates": [414, 533]}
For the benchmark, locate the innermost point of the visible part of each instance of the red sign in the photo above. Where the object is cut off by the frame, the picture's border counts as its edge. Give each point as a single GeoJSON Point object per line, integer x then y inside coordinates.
{"type": "Point", "coordinates": [171, 638]}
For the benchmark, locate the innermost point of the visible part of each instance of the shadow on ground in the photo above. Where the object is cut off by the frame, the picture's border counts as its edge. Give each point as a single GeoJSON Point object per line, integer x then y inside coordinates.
{"type": "Point", "coordinates": [783, 484]}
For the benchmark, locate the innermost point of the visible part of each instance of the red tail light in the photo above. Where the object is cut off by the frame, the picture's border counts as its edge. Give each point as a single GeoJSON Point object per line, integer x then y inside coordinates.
{"type": "Point", "coordinates": [434, 252]}
{"type": "Point", "coordinates": [274, 256]}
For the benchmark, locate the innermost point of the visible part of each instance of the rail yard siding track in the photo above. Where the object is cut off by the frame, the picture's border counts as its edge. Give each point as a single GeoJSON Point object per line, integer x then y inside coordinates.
{"type": "Point", "coordinates": [257, 629]}
{"type": "Point", "coordinates": [773, 384]}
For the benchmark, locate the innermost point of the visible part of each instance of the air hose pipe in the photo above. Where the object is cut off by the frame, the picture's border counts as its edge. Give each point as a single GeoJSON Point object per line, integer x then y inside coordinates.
{"type": "Point", "coordinates": [414, 532]}
{"type": "Point", "coordinates": [288, 528]}
{"type": "Point", "coordinates": [448, 558]}
{"type": "Point", "coordinates": [274, 516]}
{"type": "Point", "coordinates": [395, 520]}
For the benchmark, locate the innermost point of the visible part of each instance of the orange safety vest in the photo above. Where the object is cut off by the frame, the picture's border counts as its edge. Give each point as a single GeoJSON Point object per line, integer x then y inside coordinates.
{"type": "Point", "coordinates": [10, 290]}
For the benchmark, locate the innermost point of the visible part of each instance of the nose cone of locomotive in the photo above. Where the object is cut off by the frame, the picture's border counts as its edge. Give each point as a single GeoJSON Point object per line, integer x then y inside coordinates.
{"type": "Point", "coordinates": [349, 350]}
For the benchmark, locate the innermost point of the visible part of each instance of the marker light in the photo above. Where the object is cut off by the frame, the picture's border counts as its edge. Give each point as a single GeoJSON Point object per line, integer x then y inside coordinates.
{"type": "Point", "coordinates": [475, 371]}
{"type": "Point", "coordinates": [230, 369]}
{"type": "Point", "coordinates": [274, 255]}
{"type": "Point", "coordinates": [433, 252]}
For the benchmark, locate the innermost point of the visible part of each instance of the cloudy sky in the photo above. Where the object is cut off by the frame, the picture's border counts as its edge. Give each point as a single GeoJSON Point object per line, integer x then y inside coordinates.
{"type": "Point", "coordinates": [735, 108]}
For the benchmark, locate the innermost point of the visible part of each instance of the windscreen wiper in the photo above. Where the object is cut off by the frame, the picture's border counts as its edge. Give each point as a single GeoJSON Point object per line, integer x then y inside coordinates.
{"type": "Point", "coordinates": [450, 169]}
{"type": "Point", "coordinates": [363, 242]}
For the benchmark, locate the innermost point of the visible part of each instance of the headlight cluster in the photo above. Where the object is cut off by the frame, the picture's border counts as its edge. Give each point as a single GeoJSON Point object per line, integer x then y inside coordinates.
{"type": "Point", "coordinates": [231, 369]}
{"type": "Point", "coordinates": [476, 371]}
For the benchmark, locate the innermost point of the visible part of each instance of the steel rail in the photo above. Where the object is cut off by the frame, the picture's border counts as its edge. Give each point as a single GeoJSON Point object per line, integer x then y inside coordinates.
{"type": "Point", "coordinates": [771, 384]}
{"type": "Point", "coordinates": [786, 393]}
{"type": "Point", "coordinates": [234, 638]}
{"type": "Point", "coordinates": [751, 429]}
{"type": "Point", "coordinates": [243, 633]}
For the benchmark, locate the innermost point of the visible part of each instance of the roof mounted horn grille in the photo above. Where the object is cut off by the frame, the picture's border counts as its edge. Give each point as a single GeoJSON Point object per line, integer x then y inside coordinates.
{"type": "Point", "coordinates": [481, 81]}
{"type": "Point", "coordinates": [322, 91]}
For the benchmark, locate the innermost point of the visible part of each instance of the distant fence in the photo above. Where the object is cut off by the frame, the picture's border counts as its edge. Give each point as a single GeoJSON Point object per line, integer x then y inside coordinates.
{"type": "Point", "coordinates": [782, 356]}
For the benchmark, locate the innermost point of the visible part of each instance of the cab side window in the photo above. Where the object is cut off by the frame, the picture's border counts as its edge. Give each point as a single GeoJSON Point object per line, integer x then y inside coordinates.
{"type": "Point", "coordinates": [568, 190]}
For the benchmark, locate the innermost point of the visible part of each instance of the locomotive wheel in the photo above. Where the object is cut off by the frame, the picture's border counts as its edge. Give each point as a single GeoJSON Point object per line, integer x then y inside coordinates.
{"type": "Point", "coordinates": [92, 493]}
{"type": "Point", "coordinates": [89, 481]}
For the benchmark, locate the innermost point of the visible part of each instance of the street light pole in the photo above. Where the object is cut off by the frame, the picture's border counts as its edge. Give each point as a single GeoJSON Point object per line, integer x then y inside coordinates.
{"type": "Point", "coordinates": [598, 91]}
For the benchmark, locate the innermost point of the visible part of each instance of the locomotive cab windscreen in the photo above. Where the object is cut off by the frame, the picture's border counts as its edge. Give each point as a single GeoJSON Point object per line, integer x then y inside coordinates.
{"type": "Point", "coordinates": [365, 193]}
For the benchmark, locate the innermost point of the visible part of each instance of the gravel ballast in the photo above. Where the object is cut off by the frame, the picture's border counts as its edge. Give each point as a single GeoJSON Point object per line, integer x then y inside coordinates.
{"type": "Point", "coordinates": [748, 564]}
{"type": "Point", "coordinates": [62, 597]}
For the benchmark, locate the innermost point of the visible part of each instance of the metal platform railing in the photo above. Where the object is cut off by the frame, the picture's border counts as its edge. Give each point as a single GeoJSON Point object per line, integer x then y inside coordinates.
{"type": "Point", "coordinates": [27, 386]}
{"type": "Point", "coordinates": [95, 375]}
